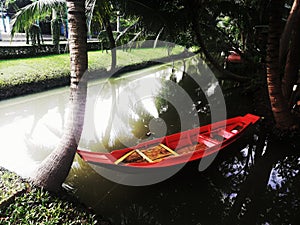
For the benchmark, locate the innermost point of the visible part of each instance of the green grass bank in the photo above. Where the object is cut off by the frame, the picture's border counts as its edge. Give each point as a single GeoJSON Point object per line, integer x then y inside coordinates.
{"type": "Point", "coordinates": [22, 203]}
{"type": "Point", "coordinates": [31, 75]}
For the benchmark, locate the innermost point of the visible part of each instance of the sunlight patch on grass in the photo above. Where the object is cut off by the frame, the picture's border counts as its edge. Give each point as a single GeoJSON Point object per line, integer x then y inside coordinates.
{"type": "Point", "coordinates": [18, 71]}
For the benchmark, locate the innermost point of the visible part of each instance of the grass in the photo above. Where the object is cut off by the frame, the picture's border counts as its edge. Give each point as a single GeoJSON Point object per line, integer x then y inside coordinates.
{"type": "Point", "coordinates": [10, 184]}
{"type": "Point", "coordinates": [37, 206]}
{"type": "Point", "coordinates": [40, 207]}
{"type": "Point", "coordinates": [39, 69]}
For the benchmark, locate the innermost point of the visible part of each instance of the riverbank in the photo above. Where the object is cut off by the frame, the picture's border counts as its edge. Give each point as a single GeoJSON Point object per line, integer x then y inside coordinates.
{"type": "Point", "coordinates": [22, 203]}
{"type": "Point", "coordinates": [25, 76]}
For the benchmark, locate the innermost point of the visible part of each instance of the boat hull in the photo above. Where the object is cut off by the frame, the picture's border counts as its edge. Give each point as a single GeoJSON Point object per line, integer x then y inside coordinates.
{"type": "Point", "coordinates": [184, 147]}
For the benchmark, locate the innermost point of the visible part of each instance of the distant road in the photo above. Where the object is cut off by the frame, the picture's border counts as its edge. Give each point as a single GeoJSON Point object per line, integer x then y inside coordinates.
{"type": "Point", "coordinates": [20, 39]}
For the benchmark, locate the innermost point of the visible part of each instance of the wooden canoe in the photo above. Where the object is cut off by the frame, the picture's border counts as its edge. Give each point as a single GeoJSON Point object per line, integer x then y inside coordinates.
{"type": "Point", "coordinates": [175, 149]}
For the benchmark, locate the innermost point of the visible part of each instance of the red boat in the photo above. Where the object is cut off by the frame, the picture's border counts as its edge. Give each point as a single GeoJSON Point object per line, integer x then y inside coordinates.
{"type": "Point", "coordinates": [234, 57]}
{"type": "Point", "coordinates": [175, 149]}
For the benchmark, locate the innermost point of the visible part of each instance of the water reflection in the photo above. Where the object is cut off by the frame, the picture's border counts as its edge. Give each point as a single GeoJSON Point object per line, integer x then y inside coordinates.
{"type": "Point", "coordinates": [30, 129]}
{"type": "Point", "coordinates": [126, 112]}
{"type": "Point", "coordinates": [178, 200]}
{"type": "Point", "coordinates": [120, 112]}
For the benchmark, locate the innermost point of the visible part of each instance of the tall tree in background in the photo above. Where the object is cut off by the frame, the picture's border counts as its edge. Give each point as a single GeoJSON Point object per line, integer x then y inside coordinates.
{"type": "Point", "coordinates": [55, 168]}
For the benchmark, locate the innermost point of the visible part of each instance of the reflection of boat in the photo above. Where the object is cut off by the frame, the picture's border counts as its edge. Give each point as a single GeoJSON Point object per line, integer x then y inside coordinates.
{"type": "Point", "coordinates": [175, 149]}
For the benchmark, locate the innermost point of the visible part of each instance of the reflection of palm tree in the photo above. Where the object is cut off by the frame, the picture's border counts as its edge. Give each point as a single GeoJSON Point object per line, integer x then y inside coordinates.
{"type": "Point", "coordinates": [40, 112]}
{"type": "Point", "coordinates": [116, 115]}
{"type": "Point", "coordinates": [41, 107]}
{"type": "Point", "coordinates": [127, 116]}
{"type": "Point", "coordinates": [38, 152]}
{"type": "Point", "coordinates": [107, 134]}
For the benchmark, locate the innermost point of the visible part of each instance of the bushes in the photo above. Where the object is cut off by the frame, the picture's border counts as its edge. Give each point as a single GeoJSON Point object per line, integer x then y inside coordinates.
{"type": "Point", "coordinates": [16, 52]}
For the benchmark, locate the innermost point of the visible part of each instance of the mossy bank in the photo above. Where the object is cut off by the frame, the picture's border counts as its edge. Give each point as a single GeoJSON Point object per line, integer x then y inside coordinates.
{"type": "Point", "coordinates": [23, 203]}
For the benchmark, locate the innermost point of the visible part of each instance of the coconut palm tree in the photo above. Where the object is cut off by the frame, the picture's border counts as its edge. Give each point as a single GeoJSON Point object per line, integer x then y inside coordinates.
{"type": "Point", "coordinates": [53, 171]}
{"type": "Point", "coordinates": [28, 15]}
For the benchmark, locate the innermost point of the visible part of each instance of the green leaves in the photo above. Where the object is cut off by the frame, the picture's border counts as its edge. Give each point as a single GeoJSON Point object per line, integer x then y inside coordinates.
{"type": "Point", "coordinates": [27, 15]}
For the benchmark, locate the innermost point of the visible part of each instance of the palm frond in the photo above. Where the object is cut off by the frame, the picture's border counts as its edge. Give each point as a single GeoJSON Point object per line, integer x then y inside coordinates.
{"type": "Point", "coordinates": [103, 7]}
{"type": "Point", "coordinates": [89, 8]}
{"type": "Point", "coordinates": [125, 30]}
{"type": "Point", "coordinates": [28, 14]}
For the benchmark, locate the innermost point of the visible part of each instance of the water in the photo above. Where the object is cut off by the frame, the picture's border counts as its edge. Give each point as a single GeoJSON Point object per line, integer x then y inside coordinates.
{"type": "Point", "coordinates": [30, 127]}
{"type": "Point", "coordinates": [123, 112]}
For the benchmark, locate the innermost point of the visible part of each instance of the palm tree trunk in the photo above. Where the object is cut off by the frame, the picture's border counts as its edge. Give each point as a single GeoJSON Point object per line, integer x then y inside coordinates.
{"type": "Point", "coordinates": [112, 41]}
{"type": "Point", "coordinates": [288, 29]}
{"type": "Point", "coordinates": [281, 113]}
{"type": "Point", "coordinates": [55, 30]}
{"type": "Point", "coordinates": [55, 168]}
{"type": "Point", "coordinates": [2, 15]}
{"type": "Point", "coordinates": [293, 58]}
{"type": "Point", "coordinates": [292, 66]}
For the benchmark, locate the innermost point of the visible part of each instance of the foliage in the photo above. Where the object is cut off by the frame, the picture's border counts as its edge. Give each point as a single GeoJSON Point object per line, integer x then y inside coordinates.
{"type": "Point", "coordinates": [230, 27]}
{"type": "Point", "coordinates": [97, 10]}
{"type": "Point", "coordinates": [137, 215]}
{"type": "Point", "coordinates": [225, 25]}
{"type": "Point", "coordinates": [37, 10]}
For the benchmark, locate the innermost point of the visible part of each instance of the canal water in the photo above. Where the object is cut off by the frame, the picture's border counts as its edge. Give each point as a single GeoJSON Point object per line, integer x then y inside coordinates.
{"type": "Point", "coordinates": [122, 112]}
